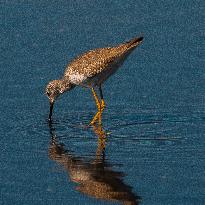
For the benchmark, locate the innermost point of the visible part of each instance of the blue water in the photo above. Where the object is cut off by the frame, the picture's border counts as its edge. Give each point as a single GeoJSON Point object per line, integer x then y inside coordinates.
{"type": "Point", "coordinates": [155, 114]}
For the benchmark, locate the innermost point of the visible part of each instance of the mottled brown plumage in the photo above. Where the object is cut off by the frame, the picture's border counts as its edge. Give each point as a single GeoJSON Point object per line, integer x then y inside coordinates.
{"type": "Point", "coordinates": [91, 68]}
{"type": "Point", "coordinates": [95, 66]}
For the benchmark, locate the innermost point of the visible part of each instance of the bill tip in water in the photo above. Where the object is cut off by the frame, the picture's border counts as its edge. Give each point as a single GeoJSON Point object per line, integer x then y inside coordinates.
{"type": "Point", "coordinates": [49, 119]}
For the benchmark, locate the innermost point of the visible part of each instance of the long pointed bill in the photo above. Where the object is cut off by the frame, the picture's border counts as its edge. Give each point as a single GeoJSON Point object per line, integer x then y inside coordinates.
{"type": "Point", "coordinates": [51, 110]}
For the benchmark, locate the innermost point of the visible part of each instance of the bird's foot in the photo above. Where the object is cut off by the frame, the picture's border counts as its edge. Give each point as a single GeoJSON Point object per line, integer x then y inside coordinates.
{"type": "Point", "coordinates": [98, 115]}
{"type": "Point", "coordinates": [93, 121]}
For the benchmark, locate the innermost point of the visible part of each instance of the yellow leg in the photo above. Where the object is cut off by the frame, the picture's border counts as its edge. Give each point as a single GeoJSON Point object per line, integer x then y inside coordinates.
{"type": "Point", "coordinates": [100, 107]}
{"type": "Point", "coordinates": [96, 99]}
{"type": "Point", "coordinates": [95, 118]}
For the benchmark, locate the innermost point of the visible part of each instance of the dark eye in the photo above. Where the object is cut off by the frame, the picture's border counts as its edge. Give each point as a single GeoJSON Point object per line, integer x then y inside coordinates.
{"type": "Point", "coordinates": [48, 93]}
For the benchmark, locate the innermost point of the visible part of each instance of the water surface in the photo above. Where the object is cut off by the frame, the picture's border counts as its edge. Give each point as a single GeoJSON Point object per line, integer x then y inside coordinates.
{"type": "Point", "coordinates": [154, 119]}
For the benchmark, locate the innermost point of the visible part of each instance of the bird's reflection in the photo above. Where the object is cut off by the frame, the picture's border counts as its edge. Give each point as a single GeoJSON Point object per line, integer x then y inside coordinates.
{"type": "Point", "coordinates": [95, 178]}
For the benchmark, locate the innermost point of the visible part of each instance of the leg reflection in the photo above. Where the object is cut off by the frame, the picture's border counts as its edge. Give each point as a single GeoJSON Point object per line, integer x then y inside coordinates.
{"type": "Point", "coordinates": [95, 178]}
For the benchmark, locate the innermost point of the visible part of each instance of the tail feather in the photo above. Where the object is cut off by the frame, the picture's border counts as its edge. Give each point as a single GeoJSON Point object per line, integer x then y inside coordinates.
{"type": "Point", "coordinates": [134, 42]}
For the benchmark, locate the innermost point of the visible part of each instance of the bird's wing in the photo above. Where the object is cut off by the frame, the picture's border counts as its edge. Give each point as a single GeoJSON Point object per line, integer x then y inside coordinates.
{"type": "Point", "coordinates": [91, 62]}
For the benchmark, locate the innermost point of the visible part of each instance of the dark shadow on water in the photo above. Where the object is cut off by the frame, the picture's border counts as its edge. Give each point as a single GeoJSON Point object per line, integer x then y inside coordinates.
{"type": "Point", "coordinates": [94, 178]}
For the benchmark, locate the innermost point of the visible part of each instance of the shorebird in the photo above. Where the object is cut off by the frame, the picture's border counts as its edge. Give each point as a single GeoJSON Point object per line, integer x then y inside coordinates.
{"type": "Point", "coordinates": [90, 70]}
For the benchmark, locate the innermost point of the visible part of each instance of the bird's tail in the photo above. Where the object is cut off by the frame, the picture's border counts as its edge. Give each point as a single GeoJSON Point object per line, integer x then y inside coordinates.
{"type": "Point", "coordinates": [134, 42]}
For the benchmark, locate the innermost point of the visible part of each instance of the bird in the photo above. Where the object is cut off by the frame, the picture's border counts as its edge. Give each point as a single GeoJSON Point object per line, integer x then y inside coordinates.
{"type": "Point", "coordinates": [91, 69]}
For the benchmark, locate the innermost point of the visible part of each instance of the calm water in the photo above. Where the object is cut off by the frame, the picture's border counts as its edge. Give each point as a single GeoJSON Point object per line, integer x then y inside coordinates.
{"type": "Point", "coordinates": [154, 152]}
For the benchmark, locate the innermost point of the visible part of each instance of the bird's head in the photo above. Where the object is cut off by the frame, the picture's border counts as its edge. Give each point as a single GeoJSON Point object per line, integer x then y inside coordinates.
{"type": "Point", "coordinates": [54, 89]}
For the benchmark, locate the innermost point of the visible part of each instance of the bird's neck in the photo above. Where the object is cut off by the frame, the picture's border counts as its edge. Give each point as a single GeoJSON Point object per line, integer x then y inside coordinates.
{"type": "Point", "coordinates": [65, 85]}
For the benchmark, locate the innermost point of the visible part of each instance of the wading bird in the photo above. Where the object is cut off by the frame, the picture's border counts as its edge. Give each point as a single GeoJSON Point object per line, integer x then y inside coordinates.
{"type": "Point", "coordinates": [90, 70]}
